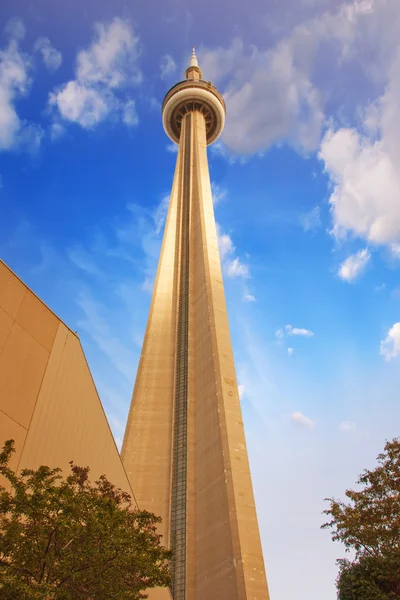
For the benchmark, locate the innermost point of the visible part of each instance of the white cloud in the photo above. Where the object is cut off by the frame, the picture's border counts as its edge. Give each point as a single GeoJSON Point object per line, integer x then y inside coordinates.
{"type": "Point", "coordinates": [56, 130]}
{"type": "Point", "coordinates": [148, 284]}
{"type": "Point", "coordinates": [269, 98]}
{"type": "Point", "coordinates": [284, 93]}
{"type": "Point", "coordinates": [279, 93]}
{"type": "Point", "coordinates": [390, 346]}
{"type": "Point", "coordinates": [300, 419]}
{"type": "Point", "coordinates": [362, 162]}
{"type": "Point", "coordinates": [111, 59]}
{"type": "Point", "coordinates": [290, 351]}
{"type": "Point", "coordinates": [15, 82]}
{"type": "Point", "coordinates": [235, 268]}
{"type": "Point", "coordinates": [311, 220]}
{"type": "Point", "coordinates": [172, 148]}
{"type": "Point", "coordinates": [129, 114]}
{"type": "Point", "coordinates": [232, 265]}
{"type": "Point", "coordinates": [225, 244]}
{"type": "Point", "coordinates": [347, 426]}
{"type": "Point", "coordinates": [167, 66]}
{"type": "Point", "coordinates": [354, 266]}
{"type": "Point", "coordinates": [366, 181]}
{"type": "Point", "coordinates": [395, 250]}
{"type": "Point", "coordinates": [160, 214]}
{"type": "Point", "coordinates": [297, 331]}
{"type": "Point", "coordinates": [241, 390]}
{"type": "Point", "coordinates": [249, 297]}
{"type": "Point", "coordinates": [51, 57]}
{"type": "Point", "coordinates": [104, 70]}
{"type": "Point", "coordinates": [83, 105]}
{"type": "Point", "coordinates": [15, 29]}
{"type": "Point", "coordinates": [218, 193]}
{"type": "Point", "coordinates": [279, 334]}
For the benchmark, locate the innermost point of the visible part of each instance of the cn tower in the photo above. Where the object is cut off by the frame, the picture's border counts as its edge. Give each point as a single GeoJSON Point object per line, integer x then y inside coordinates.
{"type": "Point", "coordinates": [184, 448]}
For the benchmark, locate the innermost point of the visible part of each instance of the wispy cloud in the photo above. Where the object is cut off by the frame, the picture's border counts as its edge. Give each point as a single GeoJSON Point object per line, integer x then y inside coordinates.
{"type": "Point", "coordinates": [298, 331]}
{"type": "Point", "coordinates": [311, 220]}
{"type": "Point", "coordinates": [95, 324]}
{"type": "Point", "coordinates": [15, 82]}
{"type": "Point", "coordinates": [167, 66]}
{"type": "Point", "coordinates": [354, 266]}
{"type": "Point", "coordinates": [172, 148]}
{"type": "Point", "coordinates": [235, 268]}
{"type": "Point", "coordinates": [347, 426]}
{"type": "Point", "coordinates": [218, 193]}
{"type": "Point", "coordinates": [390, 346]}
{"type": "Point", "coordinates": [226, 247]}
{"type": "Point", "coordinates": [84, 261]}
{"type": "Point", "coordinates": [249, 297]}
{"type": "Point", "coordinates": [300, 419]}
{"type": "Point", "coordinates": [129, 114]}
{"type": "Point", "coordinates": [160, 214]}
{"type": "Point", "coordinates": [232, 265]}
{"type": "Point", "coordinates": [51, 57]}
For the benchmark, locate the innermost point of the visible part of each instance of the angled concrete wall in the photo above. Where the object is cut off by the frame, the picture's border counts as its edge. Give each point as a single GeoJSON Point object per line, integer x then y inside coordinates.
{"type": "Point", "coordinates": [48, 401]}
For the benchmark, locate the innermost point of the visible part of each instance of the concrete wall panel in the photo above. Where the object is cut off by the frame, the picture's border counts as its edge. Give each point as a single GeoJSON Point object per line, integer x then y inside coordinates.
{"type": "Point", "coordinates": [69, 422]}
{"type": "Point", "coordinates": [22, 366]}
{"type": "Point", "coordinates": [12, 291]}
{"type": "Point", "coordinates": [5, 328]}
{"type": "Point", "coordinates": [37, 320]}
{"type": "Point", "coordinates": [10, 430]}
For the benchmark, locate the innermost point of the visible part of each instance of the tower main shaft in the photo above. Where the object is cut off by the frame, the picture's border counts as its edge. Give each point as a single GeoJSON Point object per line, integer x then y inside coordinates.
{"type": "Point", "coordinates": [184, 447]}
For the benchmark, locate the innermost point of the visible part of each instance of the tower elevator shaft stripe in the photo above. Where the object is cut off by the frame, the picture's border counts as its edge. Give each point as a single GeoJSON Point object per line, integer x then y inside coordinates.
{"type": "Point", "coordinates": [179, 475]}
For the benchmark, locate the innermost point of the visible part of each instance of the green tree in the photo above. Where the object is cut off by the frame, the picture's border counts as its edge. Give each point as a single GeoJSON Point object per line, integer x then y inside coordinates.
{"type": "Point", "coordinates": [69, 539]}
{"type": "Point", "coordinates": [369, 525]}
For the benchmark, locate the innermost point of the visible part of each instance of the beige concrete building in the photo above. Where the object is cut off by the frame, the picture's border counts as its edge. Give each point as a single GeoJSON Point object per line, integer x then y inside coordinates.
{"type": "Point", "coordinates": [48, 401]}
{"type": "Point", "coordinates": [184, 448]}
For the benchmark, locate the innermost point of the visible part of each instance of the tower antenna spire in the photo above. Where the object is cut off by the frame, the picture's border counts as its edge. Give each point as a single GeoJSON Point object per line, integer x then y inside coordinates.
{"type": "Point", "coordinates": [193, 59]}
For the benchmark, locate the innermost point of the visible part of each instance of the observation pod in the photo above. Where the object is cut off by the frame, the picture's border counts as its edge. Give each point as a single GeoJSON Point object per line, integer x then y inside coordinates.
{"type": "Point", "coordinates": [193, 94]}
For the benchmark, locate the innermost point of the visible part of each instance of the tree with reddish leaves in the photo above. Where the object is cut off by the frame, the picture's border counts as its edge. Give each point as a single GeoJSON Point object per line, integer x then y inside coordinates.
{"type": "Point", "coordinates": [70, 539]}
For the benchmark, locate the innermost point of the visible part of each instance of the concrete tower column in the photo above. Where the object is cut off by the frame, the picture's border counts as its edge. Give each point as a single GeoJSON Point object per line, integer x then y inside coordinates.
{"type": "Point", "coordinates": [184, 448]}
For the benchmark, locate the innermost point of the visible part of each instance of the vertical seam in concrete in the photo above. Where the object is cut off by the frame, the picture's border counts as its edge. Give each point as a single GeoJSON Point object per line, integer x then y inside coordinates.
{"type": "Point", "coordinates": [37, 398]}
{"type": "Point", "coordinates": [178, 179]}
{"type": "Point", "coordinates": [9, 333]}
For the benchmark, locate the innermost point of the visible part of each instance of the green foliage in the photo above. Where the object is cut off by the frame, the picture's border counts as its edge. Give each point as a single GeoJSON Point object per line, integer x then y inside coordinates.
{"type": "Point", "coordinates": [369, 525]}
{"type": "Point", "coordinates": [369, 578]}
{"type": "Point", "coordinates": [69, 539]}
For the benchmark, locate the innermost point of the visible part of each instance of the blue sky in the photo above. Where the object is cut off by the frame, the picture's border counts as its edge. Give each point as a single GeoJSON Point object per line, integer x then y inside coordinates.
{"type": "Point", "coordinates": [306, 187]}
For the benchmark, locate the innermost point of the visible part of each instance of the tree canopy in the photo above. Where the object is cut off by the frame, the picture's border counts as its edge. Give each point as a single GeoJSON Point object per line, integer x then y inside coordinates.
{"type": "Point", "coordinates": [70, 539]}
{"type": "Point", "coordinates": [369, 525]}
